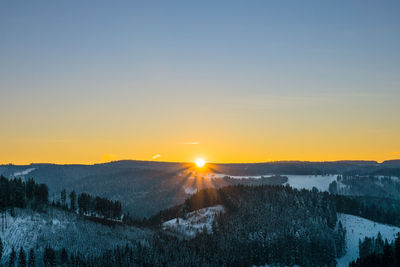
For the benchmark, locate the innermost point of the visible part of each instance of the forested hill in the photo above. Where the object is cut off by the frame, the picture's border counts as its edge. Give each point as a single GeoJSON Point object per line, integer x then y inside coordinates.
{"type": "Point", "coordinates": [261, 225]}
{"type": "Point", "coordinates": [257, 225]}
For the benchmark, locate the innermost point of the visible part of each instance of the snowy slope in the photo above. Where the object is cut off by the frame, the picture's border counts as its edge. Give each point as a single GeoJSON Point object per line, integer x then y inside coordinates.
{"type": "Point", "coordinates": [60, 229]}
{"type": "Point", "coordinates": [358, 228]}
{"type": "Point", "coordinates": [194, 222]}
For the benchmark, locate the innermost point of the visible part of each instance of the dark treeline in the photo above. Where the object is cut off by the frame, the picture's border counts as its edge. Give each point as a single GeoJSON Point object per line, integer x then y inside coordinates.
{"type": "Point", "coordinates": [17, 193]}
{"type": "Point", "coordinates": [98, 206]}
{"type": "Point", "coordinates": [51, 257]}
{"type": "Point", "coordinates": [376, 252]}
{"type": "Point", "coordinates": [366, 185]}
{"type": "Point", "coordinates": [381, 210]}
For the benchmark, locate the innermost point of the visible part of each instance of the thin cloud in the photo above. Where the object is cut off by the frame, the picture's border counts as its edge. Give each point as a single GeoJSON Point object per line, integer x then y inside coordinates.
{"type": "Point", "coordinates": [189, 143]}
{"type": "Point", "coordinates": [156, 156]}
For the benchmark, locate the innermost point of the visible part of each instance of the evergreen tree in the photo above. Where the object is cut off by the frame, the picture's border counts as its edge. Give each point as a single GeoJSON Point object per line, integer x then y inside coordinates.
{"type": "Point", "coordinates": [30, 188]}
{"type": "Point", "coordinates": [64, 256]}
{"type": "Point", "coordinates": [63, 198]}
{"type": "Point", "coordinates": [333, 188]}
{"type": "Point", "coordinates": [397, 248]}
{"type": "Point", "coordinates": [1, 249]}
{"type": "Point", "coordinates": [379, 244]}
{"type": "Point", "coordinates": [72, 197]}
{"type": "Point", "coordinates": [13, 256]}
{"type": "Point", "coordinates": [387, 251]}
{"type": "Point", "coordinates": [22, 258]}
{"type": "Point", "coordinates": [49, 257]}
{"type": "Point", "coordinates": [42, 193]}
{"type": "Point", "coordinates": [31, 260]}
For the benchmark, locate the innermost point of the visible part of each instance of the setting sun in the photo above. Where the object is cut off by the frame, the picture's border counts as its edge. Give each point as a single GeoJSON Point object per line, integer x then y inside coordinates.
{"type": "Point", "coordinates": [200, 162]}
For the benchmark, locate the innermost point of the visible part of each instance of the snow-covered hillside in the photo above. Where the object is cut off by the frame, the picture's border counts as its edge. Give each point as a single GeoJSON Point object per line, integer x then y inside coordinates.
{"type": "Point", "coordinates": [194, 222]}
{"type": "Point", "coordinates": [358, 228]}
{"type": "Point", "coordinates": [60, 229]}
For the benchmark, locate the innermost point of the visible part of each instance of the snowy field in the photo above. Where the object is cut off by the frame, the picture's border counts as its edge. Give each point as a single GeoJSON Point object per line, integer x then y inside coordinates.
{"type": "Point", "coordinates": [321, 182]}
{"type": "Point", "coordinates": [194, 222]}
{"type": "Point", "coordinates": [358, 228]}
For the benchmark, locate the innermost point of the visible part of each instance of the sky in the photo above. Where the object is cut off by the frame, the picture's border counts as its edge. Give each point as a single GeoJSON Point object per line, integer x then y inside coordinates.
{"type": "Point", "coordinates": [228, 81]}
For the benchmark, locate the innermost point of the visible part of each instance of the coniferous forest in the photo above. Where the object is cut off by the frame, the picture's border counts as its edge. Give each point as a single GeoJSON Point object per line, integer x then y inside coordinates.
{"type": "Point", "coordinates": [259, 224]}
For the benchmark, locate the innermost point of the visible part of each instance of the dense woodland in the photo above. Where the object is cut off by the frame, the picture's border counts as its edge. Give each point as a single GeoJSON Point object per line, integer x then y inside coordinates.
{"type": "Point", "coordinates": [98, 206]}
{"type": "Point", "coordinates": [17, 193]}
{"type": "Point", "coordinates": [261, 225]}
{"type": "Point", "coordinates": [378, 252]}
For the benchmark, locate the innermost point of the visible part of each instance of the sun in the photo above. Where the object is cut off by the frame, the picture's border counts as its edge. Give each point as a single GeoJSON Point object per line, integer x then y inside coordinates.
{"type": "Point", "coordinates": [200, 162]}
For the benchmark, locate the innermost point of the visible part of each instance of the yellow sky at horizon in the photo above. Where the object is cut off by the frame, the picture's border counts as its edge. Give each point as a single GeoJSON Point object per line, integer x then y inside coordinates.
{"type": "Point", "coordinates": [324, 130]}
{"type": "Point", "coordinates": [66, 152]}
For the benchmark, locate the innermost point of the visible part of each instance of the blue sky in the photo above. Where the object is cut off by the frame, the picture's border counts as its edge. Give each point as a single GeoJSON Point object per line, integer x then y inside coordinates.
{"type": "Point", "coordinates": [75, 70]}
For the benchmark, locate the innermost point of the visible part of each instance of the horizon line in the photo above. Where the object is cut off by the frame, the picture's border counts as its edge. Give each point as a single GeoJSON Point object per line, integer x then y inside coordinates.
{"type": "Point", "coordinates": [189, 162]}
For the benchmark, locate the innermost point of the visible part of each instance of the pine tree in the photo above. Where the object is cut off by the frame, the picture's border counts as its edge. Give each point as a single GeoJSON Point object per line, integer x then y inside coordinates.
{"type": "Point", "coordinates": [379, 244]}
{"type": "Point", "coordinates": [29, 189]}
{"type": "Point", "coordinates": [397, 248]}
{"type": "Point", "coordinates": [13, 256]}
{"type": "Point", "coordinates": [1, 249]}
{"type": "Point", "coordinates": [64, 256]}
{"type": "Point", "coordinates": [63, 197]}
{"type": "Point", "coordinates": [22, 258]}
{"type": "Point", "coordinates": [31, 260]}
{"type": "Point", "coordinates": [72, 197]}
{"type": "Point", "coordinates": [49, 257]}
{"type": "Point", "coordinates": [387, 252]}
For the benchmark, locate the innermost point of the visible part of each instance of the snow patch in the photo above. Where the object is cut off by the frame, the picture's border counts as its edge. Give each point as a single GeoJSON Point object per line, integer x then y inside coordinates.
{"type": "Point", "coordinates": [24, 172]}
{"type": "Point", "coordinates": [194, 222]}
{"type": "Point", "coordinates": [321, 182]}
{"type": "Point", "coordinates": [358, 228]}
{"type": "Point", "coordinates": [190, 190]}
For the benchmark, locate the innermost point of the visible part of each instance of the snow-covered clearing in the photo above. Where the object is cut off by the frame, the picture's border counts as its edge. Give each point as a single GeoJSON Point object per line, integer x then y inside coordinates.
{"type": "Point", "coordinates": [190, 190]}
{"type": "Point", "coordinates": [194, 222]}
{"type": "Point", "coordinates": [321, 182]}
{"type": "Point", "coordinates": [23, 173]}
{"type": "Point", "coordinates": [359, 228]}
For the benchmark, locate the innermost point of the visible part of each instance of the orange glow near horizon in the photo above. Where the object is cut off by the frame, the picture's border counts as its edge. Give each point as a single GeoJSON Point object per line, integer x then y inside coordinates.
{"type": "Point", "coordinates": [96, 151]}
